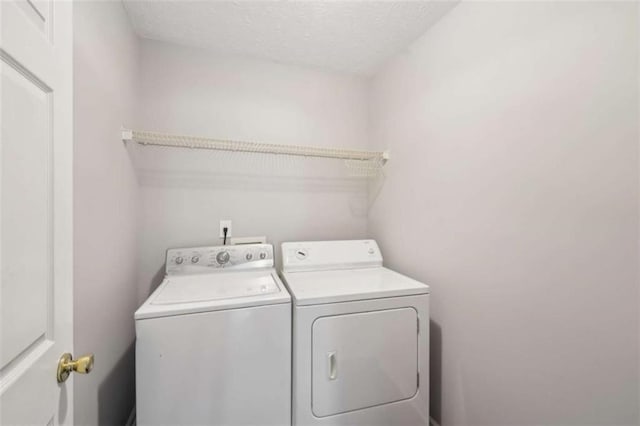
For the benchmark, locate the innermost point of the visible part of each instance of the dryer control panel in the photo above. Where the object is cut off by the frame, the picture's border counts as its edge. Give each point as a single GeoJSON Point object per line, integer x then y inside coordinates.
{"type": "Point", "coordinates": [196, 260]}
{"type": "Point", "coordinates": [330, 255]}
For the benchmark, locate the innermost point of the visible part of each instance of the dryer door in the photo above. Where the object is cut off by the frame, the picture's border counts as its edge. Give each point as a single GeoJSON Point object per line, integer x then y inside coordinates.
{"type": "Point", "coordinates": [365, 359]}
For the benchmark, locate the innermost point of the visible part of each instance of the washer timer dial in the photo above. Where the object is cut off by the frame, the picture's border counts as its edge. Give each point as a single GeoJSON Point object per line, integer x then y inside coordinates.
{"type": "Point", "coordinates": [223, 257]}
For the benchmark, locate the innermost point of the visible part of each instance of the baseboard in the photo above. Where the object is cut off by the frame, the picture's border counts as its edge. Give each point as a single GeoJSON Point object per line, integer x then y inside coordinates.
{"type": "Point", "coordinates": [433, 422]}
{"type": "Point", "coordinates": [131, 421]}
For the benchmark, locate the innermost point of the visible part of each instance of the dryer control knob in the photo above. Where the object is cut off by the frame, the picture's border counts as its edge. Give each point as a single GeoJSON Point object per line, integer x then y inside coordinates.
{"type": "Point", "coordinates": [222, 257]}
{"type": "Point", "coordinates": [263, 255]}
{"type": "Point", "coordinates": [179, 260]}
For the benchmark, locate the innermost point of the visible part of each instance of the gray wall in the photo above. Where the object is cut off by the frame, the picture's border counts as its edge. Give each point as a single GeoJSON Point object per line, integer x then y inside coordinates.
{"type": "Point", "coordinates": [185, 193]}
{"type": "Point", "coordinates": [513, 192]}
{"type": "Point", "coordinates": [105, 227]}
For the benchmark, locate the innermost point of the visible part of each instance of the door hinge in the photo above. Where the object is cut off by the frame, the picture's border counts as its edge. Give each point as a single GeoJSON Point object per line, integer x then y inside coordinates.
{"type": "Point", "coordinates": [418, 321]}
{"type": "Point", "coordinates": [418, 380]}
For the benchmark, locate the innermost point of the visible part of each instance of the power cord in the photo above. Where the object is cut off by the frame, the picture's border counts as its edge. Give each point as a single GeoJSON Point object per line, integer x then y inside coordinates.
{"type": "Point", "coordinates": [224, 232]}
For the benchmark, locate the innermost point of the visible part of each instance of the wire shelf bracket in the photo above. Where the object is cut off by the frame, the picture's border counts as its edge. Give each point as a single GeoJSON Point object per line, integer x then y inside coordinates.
{"type": "Point", "coordinates": [367, 163]}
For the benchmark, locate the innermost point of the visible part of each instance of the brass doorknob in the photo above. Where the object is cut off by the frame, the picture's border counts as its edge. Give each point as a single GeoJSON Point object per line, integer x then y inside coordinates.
{"type": "Point", "coordinates": [66, 365]}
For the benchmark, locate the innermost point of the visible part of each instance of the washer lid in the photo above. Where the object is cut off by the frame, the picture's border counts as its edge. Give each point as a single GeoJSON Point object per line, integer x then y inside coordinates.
{"type": "Point", "coordinates": [194, 288]}
{"type": "Point", "coordinates": [216, 291]}
{"type": "Point", "coordinates": [318, 287]}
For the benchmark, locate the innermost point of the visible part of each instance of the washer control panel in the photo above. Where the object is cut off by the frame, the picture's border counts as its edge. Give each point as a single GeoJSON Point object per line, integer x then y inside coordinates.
{"type": "Point", "coordinates": [207, 259]}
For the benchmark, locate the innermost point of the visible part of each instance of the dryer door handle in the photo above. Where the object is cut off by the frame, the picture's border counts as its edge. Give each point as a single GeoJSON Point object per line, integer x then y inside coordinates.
{"type": "Point", "coordinates": [333, 367]}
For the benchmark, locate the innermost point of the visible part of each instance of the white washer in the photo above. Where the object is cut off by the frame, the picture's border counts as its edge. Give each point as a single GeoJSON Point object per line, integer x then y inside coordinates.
{"type": "Point", "coordinates": [360, 337]}
{"type": "Point", "coordinates": [214, 341]}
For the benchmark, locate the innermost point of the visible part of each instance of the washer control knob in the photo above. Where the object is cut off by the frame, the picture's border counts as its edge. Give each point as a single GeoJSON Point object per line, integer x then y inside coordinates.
{"type": "Point", "coordinates": [263, 255]}
{"type": "Point", "coordinates": [195, 259]}
{"type": "Point", "coordinates": [179, 260]}
{"type": "Point", "coordinates": [222, 257]}
{"type": "Point", "coordinates": [301, 254]}
{"type": "Point", "coordinates": [248, 256]}
{"type": "Point", "coordinates": [371, 251]}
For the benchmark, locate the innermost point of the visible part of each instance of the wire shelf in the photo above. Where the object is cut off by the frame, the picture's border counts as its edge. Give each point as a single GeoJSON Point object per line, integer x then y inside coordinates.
{"type": "Point", "coordinates": [359, 163]}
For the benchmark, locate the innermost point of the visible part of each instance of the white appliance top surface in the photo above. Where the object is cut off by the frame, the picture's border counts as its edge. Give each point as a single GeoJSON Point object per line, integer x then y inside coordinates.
{"type": "Point", "coordinates": [319, 287]}
{"type": "Point", "coordinates": [184, 294]}
{"type": "Point", "coordinates": [190, 288]}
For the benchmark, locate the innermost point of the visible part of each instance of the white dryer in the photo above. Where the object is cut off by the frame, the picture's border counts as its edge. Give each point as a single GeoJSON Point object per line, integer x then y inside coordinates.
{"type": "Point", "coordinates": [214, 341]}
{"type": "Point", "coordinates": [360, 337]}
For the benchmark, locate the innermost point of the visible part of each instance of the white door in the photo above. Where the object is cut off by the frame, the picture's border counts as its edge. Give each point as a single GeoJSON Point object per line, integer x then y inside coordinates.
{"type": "Point", "coordinates": [36, 149]}
{"type": "Point", "coordinates": [365, 359]}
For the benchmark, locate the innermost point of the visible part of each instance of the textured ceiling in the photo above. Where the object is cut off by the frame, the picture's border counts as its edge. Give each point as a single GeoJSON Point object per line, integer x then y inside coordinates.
{"type": "Point", "coordinates": [350, 36]}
